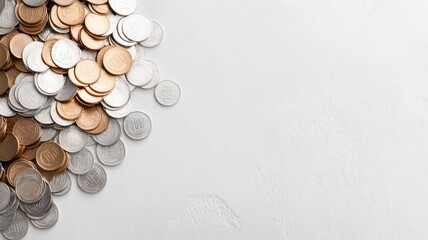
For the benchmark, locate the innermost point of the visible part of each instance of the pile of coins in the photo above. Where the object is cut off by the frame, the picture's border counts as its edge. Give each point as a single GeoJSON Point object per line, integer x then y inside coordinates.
{"type": "Point", "coordinates": [67, 72]}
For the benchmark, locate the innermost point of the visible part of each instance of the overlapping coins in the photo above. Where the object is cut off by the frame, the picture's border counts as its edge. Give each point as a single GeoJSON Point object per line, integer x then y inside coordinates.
{"type": "Point", "coordinates": [67, 71]}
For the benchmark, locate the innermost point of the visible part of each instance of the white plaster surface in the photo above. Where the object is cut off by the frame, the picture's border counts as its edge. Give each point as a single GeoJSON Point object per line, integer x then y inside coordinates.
{"type": "Point", "coordinates": [299, 120]}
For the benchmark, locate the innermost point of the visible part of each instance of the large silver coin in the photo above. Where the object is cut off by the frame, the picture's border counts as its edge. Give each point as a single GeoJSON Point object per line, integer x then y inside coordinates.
{"type": "Point", "coordinates": [119, 96]}
{"type": "Point", "coordinates": [44, 117]}
{"type": "Point", "coordinates": [123, 7]}
{"type": "Point", "coordinates": [49, 220]}
{"type": "Point", "coordinates": [34, 3]}
{"type": "Point", "coordinates": [48, 134]}
{"type": "Point", "coordinates": [60, 182]}
{"type": "Point", "coordinates": [81, 162]}
{"type": "Point", "coordinates": [167, 93]}
{"type": "Point", "coordinates": [66, 53]}
{"type": "Point", "coordinates": [49, 82]}
{"type": "Point", "coordinates": [122, 112]}
{"type": "Point", "coordinates": [39, 209]}
{"type": "Point", "coordinates": [137, 27]}
{"type": "Point", "coordinates": [137, 125]}
{"type": "Point", "coordinates": [30, 97]}
{"type": "Point", "coordinates": [93, 181]}
{"type": "Point", "coordinates": [72, 140]}
{"type": "Point", "coordinates": [7, 16]}
{"type": "Point", "coordinates": [156, 37]}
{"type": "Point", "coordinates": [4, 196]}
{"type": "Point", "coordinates": [19, 227]}
{"type": "Point", "coordinates": [29, 185]}
{"type": "Point", "coordinates": [140, 74]}
{"type": "Point", "coordinates": [111, 155]}
{"type": "Point", "coordinates": [6, 221]}
{"type": "Point", "coordinates": [28, 48]}
{"type": "Point", "coordinates": [111, 135]}
{"type": "Point", "coordinates": [5, 109]}
{"type": "Point", "coordinates": [35, 62]}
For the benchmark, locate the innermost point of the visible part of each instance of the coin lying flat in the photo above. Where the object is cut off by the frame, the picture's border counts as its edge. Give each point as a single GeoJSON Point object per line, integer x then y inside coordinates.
{"type": "Point", "coordinates": [93, 181]}
{"type": "Point", "coordinates": [156, 36]}
{"type": "Point", "coordinates": [19, 226]}
{"type": "Point", "coordinates": [111, 135]}
{"type": "Point", "coordinates": [49, 220]}
{"type": "Point", "coordinates": [167, 93]}
{"type": "Point", "coordinates": [66, 53]}
{"type": "Point", "coordinates": [111, 155]}
{"type": "Point", "coordinates": [4, 196]}
{"type": "Point", "coordinates": [81, 162]}
{"type": "Point", "coordinates": [137, 125]}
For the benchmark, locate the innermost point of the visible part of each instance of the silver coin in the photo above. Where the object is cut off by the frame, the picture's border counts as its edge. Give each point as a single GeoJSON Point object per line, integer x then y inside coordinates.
{"type": "Point", "coordinates": [49, 220]}
{"type": "Point", "coordinates": [38, 209]}
{"type": "Point", "coordinates": [28, 48]}
{"type": "Point", "coordinates": [13, 102]}
{"type": "Point", "coordinates": [93, 181]}
{"type": "Point", "coordinates": [30, 97]}
{"type": "Point", "coordinates": [68, 91]}
{"type": "Point", "coordinates": [49, 82]}
{"type": "Point", "coordinates": [81, 162]}
{"type": "Point", "coordinates": [133, 51]}
{"type": "Point", "coordinates": [111, 135]}
{"type": "Point", "coordinates": [155, 78]}
{"type": "Point", "coordinates": [119, 96]}
{"type": "Point", "coordinates": [65, 191]}
{"type": "Point", "coordinates": [72, 139]}
{"type": "Point", "coordinates": [60, 182]}
{"type": "Point", "coordinates": [34, 3]}
{"type": "Point", "coordinates": [44, 35]}
{"type": "Point", "coordinates": [137, 125]}
{"type": "Point", "coordinates": [122, 78]}
{"type": "Point", "coordinates": [66, 53]}
{"type": "Point", "coordinates": [156, 37]}
{"type": "Point", "coordinates": [123, 7]}
{"type": "Point", "coordinates": [48, 102]}
{"type": "Point", "coordinates": [13, 204]}
{"type": "Point", "coordinates": [7, 16]}
{"type": "Point", "coordinates": [118, 40]}
{"type": "Point", "coordinates": [167, 93]}
{"type": "Point", "coordinates": [140, 74]}
{"type": "Point", "coordinates": [2, 5]}
{"type": "Point", "coordinates": [57, 118]}
{"type": "Point", "coordinates": [5, 109]}
{"type": "Point", "coordinates": [29, 185]}
{"type": "Point", "coordinates": [141, 53]}
{"type": "Point", "coordinates": [48, 134]}
{"type": "Point", "coordinates": [137, 27]}
{"type": "Point", "coordinates": [4, 31]}
{"type": "Point", "coordinates": [6, 221]}
{"type": "Point", "coordinates": [91, 55]}
{"type": "Point", "coordinates": [122, 112]}
{"type": "Point", "coordinates": [44, 117]}
{"type": "Point", "coordinates": [35, 62]}
{"type": "Point", "coordinates": [111, 155]}
{"type": "Point", "coordinates": [113, 20]}
{"type": "Point", "coordinates": [19, 227]}
{"type": "Point", "coordinates": [4, 196]}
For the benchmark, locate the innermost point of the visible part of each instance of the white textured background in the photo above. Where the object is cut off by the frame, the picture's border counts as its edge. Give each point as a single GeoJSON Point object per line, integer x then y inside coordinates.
{"type": "Point", "coordinates": [300, 120]}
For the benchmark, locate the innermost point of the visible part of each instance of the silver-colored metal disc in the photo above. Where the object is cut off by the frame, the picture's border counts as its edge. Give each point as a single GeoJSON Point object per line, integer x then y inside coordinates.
{"type": "Point", "coordinates": [19, 227]}
{"type": "Point", "coordinates": [30, 97]}
{"type": "Point", "coordinates": [5, 109]}
{"type": "Point", "coordinates": [13, 204]}
{"type": "Point", "coordinates": [93, 181]}
{"type": "Point", "coordinates": [81, 162]}
{"type": "Point", "coordinates": [29, 185]}
{"type": "Point", "coordinates": [39, 209]}
{"type": "Point", "coordinates": [60, 182]}
{"type": "Point", "coordinates": [167, 93]}
{"type": "Point", "coordinates": [49, 82]}
{"type": "Point", "coordinates": [155, 78]}
{"type": "Point", "coordinates": [66, 53]}
{"type": "Point", "coordinates": [6, 221]}
{"type": "Point", "coordinates": [44, 117]}
{"type": "Point", "coordinates": [34, 3]}
{"type": "Point", "coordinates": [49, 220]}
{"type": "Point", "coordinates": [57, 118]}
{"type": "Point", "coordinates": [35, 62]}
{"type": "Point", "coordinates": [28, 48]}
{"type": "Point", "coordinates": [72, 139]}
{"type": "Point", "coordinates": [123, 7]}
{"type": "Point", "coordinates": [2, 5]}
{"type": "Point", "coordinates": [156, 37]}
{"type": "Point", "coordinates": [122, 112]}
{"type": "Point", "coordinates": [137, 27]}
{"type": "Point", "coordinates": [119, 96]}
{"type": "Point", "coordinates": [137, 125]}
{"type": "Point", "coordinates": [4, 196]}
{"type": "Point", "coordinates": [91, 55]}
{"type": "Point", "coordinates": [111, 155]}
{"type": "Point", "coordinates": [48, 134]}
{"type": "Point", "coordinates": [111, 135]}
{"type": "Point", "coordinates": [140, 74]}
{"type": "Point", "coordinates": [67, 92]}
{"type": "Point", "coordinates": [7, 16]}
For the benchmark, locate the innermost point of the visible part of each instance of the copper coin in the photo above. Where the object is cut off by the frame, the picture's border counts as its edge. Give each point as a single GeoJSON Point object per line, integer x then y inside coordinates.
{"type": "Point", "coordinates": [87, 71]}
{"type": "Point", "coordinates": [47, 53]}
{"type": "Point", "coordinates": [4, 55]}
{"type": "Point", "coordinates": [117, 60]}
{"type": "Point", "coordinates": [102, 8]}
{"type": "Point", "coordinates": [90, 118]}
{"type": "Point", "coordinates": [101, 53]}
{"type": "Point", "coordinates": [50, 156]}
{"type": "Point", "coordinates": [90, 42]}
{"type": "Point", "coordinates": [9, 147]}
{"type": "Point", "coordinates": [55, 19]}
{"type": "Point", "coordinates": [11, 75]}
{"type": "Point", "coordinates": [105, 84]}
{"type": "Point", "coordinates": [12, 121]}
{"type": "Point", "coordinates": [17, 44]}
{"type": "Point", "coordinates": [89, 99]}
{"type": "Point", "coordinates": [93, 93]}
{"type": "Point", "coordinates": [6, 38]}
{"type": "Point", "coordinates": [19, 64]}
{"type": "Point", "coordinates": [15, 167]}
{"type": "Point", "coordinates": [73, 78]}
{"type": "Point", "coordinates": [70, 110]}
{"type": "Point", "coordinates": [72, 14]}
{"type": "Point", "coordinates": [31, 15]}
{"type": "Point", "coordinates": [74, 30]}
{"type": "Point", "coordinates": [103, 124]}
{"type": "Point", "coordinates": [29, 154]}
{"type": "Point", "coordinates": [4, 83]}
{"type": "Point", "coordinates": [28, 131]}
{"type": "Point", "coordinates": [97, 24]}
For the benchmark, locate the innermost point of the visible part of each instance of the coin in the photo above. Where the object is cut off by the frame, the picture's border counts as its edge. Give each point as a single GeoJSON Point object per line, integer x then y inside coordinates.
{"type": "Point", "coordinates": [111, 135]}
{"type": "Point", "coordinates": [49, 220]}
{"type": "Point", "coordinates": [137, 28]}
{"type": "Point", "coordinates": [9, 146]}
{"type": "Point", "coordinates": [70, 110]}
{"type": "Point", "coordinates": [39, 209]}
{"type": "Point", "coordinates": [34, 3]}
{"type": "Point", "coordinates": [29, 185]}
{"type": "Point", "coordinates": [72, 14]}
{"type": "Point", "coordinates": [14, 169]}
{"type": "Point", "coordinates": [66, 53]}
{"type": "Point", "coordinates": [117, 61]}
{"type": "Point", "coordinates": [4, 196]}
{"type": "Point", "coordinates": [68, 92]}
{"type": "Point", "coordinates": [60, 182]}
{"type": "Point", "coordinates": [123, 7]}
{"type": "Point", "coordinates": [93, 181]}
{"type": "Point", "coordinates": [111, 155]}
{"type": "Point", "coordinates": [81, 162]}
{"type": "Point", "coordinates": [90, 118]}
{"type": "Point", "coordinates": [167, 93]}
{"type": "Point", "coordinates": [50, 156]}
{"type": "Point", "coordinates": [156, 36]}
{"type": "Point", "coordinates": [119, 96]}
{"type": "Point", "coordinates": [19, 227]}
{"type": "Point", "coordinates": [49, 82]}
{"type": "Point", "coordinates": [140, 74]}
{"type": "Point", "coordinates": [18, 43]}
{"type": "Point", "coordinates": [137, 125]}
{"type": "Point", "coordinates": [97, 24]}
{"type": "Point", "coordinates": [29, 97]}
{"type": "Point", "coordinates": [71, 140]}
{"type": "Point", "coordinates": [87, 71]}
{"type": "Point", "coordinates": [6, 220]}
{"type": "Point", "coordinates": [7, 16]}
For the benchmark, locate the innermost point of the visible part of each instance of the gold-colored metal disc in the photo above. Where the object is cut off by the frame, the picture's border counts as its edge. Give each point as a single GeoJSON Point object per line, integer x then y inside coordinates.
{"type": "Point", "coordinates": [105, 84]}
{"type": "Point", "coordinates": [31, 15]}
{"type": "Point", "coordinates": [87, 71]}
{"type": "Point", "coordinates": [70, 110]}
{"type": "Point", "coordinates": [18, 43]}
{"type": "Point", "coordinates": [15, 167]}
{"type": "Point", "coordinates": [73, 14]}
{"type": "Point", "coordinates": [50, 156]}
{"type": "Point", "coordinates": [97, 24]}
{"type": "Point", "coordinates": [28, 131]}
{"type": "Point", "coordinates": [4, 55]}
{"type": "Point", "coordinates": [117, 60]}
{"type": "Point", "coordinates": [4, 83]}
{"type": "Point", "coordinates": [47, 53]}
{"type": "Point", "coordinates": [90, 42]}
{"type": "Point", "coordinates": [9, 147]}
{"type": "Point", "coordinates": [73, 78]}
{"type": "Point", "coordinates": [90, 118]}
{"type": "Point", "coordinates": [102, 8]}
{"type": "Point", "coordinates": [87, 98]}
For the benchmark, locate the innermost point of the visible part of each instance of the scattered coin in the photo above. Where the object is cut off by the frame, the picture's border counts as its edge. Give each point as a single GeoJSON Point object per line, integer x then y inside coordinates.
{"type": "Point", "coordinates": [137, 125]}
{"type": "Point", "coordinates": [167, 93]}
{"type": "Point", "coordinates": [94, 180]}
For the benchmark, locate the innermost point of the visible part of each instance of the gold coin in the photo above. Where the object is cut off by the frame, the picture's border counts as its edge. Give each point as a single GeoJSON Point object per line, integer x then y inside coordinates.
{"type": "Point", "coordinates": [72, 14]}
{"type": "Point", "coordinates": [17, 44]}
{"type": "Point", "coordinates": [97, 24]}
{"type": "Point", "coordinates": [102, 8]}
{"type": "Point", "coordinates": [90, 118]}
{"type": "Point", "coordinates": [87, 98]}
{"type": "Point", "coordinates": [4, 83]}
{"type": "Point", "coordinates": [74, 31]}
{"type": "Point", "coordinates": [117, 60]}
{"type": "Point", "coordinates": [105, 84]}
{"type": "Point", "coordinates": [28, 131]}
{"type": "Point", "coordinates": [70, 110]}
{"type": "Point", "coordinates": [47, 53]}
{"type": "Point", "coordinates": [15, 167]}
{"type": "Point", "coordinates": [31, 15]}
{"type": "Point", "coordinates": [87, 71]}
{"type": "Point", "coordinates": [73, 78]}
{"type": "Point", "coordinates": [4, 55]}
{"type": "Point", "coordinates": [9, 147]}
{"type": "Point", "coordinates": [50, 156]}
{"type": "Point", "coordinates": [89, 42]}
{"type": "Point", "coordinates": [55, 19]}
{"type": "Point", "coordinates": [101, 54]}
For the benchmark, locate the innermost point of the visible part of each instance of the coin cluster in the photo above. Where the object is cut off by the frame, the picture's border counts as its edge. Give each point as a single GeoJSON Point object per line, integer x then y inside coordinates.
{"type": "Point", "coordinates": [67, 72]}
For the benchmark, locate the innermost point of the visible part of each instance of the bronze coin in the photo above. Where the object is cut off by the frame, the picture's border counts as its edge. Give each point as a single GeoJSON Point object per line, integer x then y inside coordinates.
{"type": "Point", "coordinates": [74, 31]}
{"type": "Point", "coordinates": [89, 99]}
{"type": "Point", "coordinates": [103, 124]}
{"type": "Point", "coordinates": [18, 43]}
{"type": "Point", "coordinates": [4, 55]}
{"type": "Point", "coordinates": [102, 8]}
{"type": "Point", "coordinates": [87, 71]}
{"type": "Point", "coordinates": [19, 64]}
{"type": "Point", "coordinates": [101, 53]}
{"type": "Point", "coordinates": [4, 83]}
{"type": "Point", "coordinates": [50, 156]}
{"type": "Point", "coordinates": [73, 78]}
{"type": "Point", "coordinates": [55, 19]}
{"type": "Point", "coordinates": [97, 1]}
{"type": "Point", "coordinates": [12, 74]}
{"type": "Point", "coordinates": [47, 53]}
{"type": "Point", "coordinates": [105, 84]}
{"type": "Point", "coordinates": [70, 110]}
{"type": "Point", "coordinates": [90, 118]}
{"type": "Point", "coordinates": [29, 154]}
{"type": "Point", "coordinates": [15, 167]}
{"type": "Point", "coordinates": [90, 42]}
{"type": "Point", "coordinates": [9, 147]}
{"type": "Point", "coordinates": [31, 15]}
{"type": "Point", "coordinates": [72, 14]}
{"type": "Point", "coordinates": [97, 24]}
{"type": "Point", "coordinates": [28, 131]}
{"type": "Point", "coordinates": [117, 61]}
{"type": "Point", "coordinates": [12, 121]}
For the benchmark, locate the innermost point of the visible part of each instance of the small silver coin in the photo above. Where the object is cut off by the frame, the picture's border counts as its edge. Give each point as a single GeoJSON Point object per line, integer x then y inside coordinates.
{"type": "Point", "coordinates": [7, 16]}
{"type": "Point", "coordinates": [119, 96]}
{"type": "Point", "coordinates": [57, 118]}
{"type": "Point", "coordinates": [72, 139]}
{"type": "Point", "coordinates": [39, 209]}
{"type": "Point", "coordinates": [140, 74]}
{"type": "Point", "coordinates": [156, 36]}
{"type": "Point", "coordinates": [44, 117]}
{"type": "Point", "coordinates": [13, 204]}
{"type": "Point", "coordinates": [167, 93]}
{"type": "Point", "coordinates": [155, 77]}
{"type": "Point", "coordinates": [35, 62]}
{"type": "Point", "coordinates": [137, 27]}
{"type": "Point", "coordinates": [49, 82]}
{"type": "Point", "coordinates": [66, 53]}
{"type": "Point", "coordinates": [121, 112]}
{"type": "Point", "coordinates": [93, 181]}
{"type": "Point", "coordinates": [60, 182]}
{"type": "Point", "coordinates": [4, 196]}
{"type": "Point", "coordinates": [5, 109]}
{"type": "Point", "coordinates": [6, 221]}
{"type": "Point", "coordinates": [81, 162]}
{"type": "Point", "coordinates": [111, 135]}
{"type": "Point", "coordinates": [123, 7]}
{"type": "Point", "coordinates": [28, 48]}
{"type": "Point", "coordinates": [111, 155]}
{"type": "Point", "coordinates": [48, 134]}
{"type": "Point", "coordinates": [30, 97]}
{"type": "Point", "coordinates": [137, 125]}
{"type": "Point", "coordinates": [18, 229]}
{"type": "Point", "coordinates": [49, 220]}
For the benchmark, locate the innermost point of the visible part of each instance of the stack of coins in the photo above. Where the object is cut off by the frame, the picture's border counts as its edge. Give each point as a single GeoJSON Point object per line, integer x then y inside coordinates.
{"type": "Point", "coordinates": [68, 70]}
